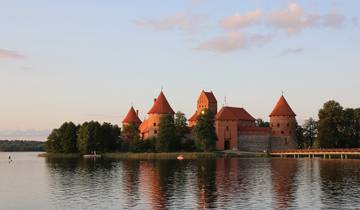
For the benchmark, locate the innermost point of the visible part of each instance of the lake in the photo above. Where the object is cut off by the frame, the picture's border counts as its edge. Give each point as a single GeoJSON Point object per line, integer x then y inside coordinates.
{"type": "Point", "coordinates": [31, 182]}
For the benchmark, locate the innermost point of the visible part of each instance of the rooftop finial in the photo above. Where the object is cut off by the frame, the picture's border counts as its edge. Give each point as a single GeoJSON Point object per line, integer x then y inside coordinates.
{"type": "Point", "coordinates": [162, 88]}
{"type": "Point", "coordinates": [225, 103]}
{"type": "Point", "coordinates": [282, 92]}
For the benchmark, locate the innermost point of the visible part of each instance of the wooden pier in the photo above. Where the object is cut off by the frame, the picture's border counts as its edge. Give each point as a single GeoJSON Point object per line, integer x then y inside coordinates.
{"type": "Point", "coordinates": [322, 153]}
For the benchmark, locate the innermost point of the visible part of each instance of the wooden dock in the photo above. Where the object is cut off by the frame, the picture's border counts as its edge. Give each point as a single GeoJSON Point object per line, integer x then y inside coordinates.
{"type": "Point", "coordinates": [323, 153]}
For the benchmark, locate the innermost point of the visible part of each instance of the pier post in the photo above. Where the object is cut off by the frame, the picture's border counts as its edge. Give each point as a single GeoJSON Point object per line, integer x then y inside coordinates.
{"type": "Point", "coordinates": [342, 156]}
{"type": "Point", "coordinates": [329, 156]}
{"type": "Point", "coordinates": [345, 156]}
{"type": "Point", "coordinates": [324, 156]}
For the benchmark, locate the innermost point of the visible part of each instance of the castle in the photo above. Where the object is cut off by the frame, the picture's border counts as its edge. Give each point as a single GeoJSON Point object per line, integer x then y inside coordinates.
{"type": "Point", "coordinates": [235, 128]}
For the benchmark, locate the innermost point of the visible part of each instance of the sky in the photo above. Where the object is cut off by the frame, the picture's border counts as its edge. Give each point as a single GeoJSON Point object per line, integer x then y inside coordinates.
{"type": "Point", "coordinates": [91, 60]}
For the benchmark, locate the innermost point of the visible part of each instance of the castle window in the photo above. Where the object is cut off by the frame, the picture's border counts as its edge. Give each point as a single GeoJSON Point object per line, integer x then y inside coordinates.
{"type": "Point", "coordinates": [278, 125]}
{"type": "Point", "coordinates": [155, 131]}
{"type": "Point", "coordinates": [227, 128]}
{"type": "Point", "coordinates": [282, 132]}
{"type": "Point", "coordinates": [154, 124]}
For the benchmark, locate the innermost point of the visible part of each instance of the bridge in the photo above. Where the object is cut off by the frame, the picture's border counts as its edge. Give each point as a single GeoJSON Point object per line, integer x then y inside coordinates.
{"type": "Point", "coordinates": [312, 153]}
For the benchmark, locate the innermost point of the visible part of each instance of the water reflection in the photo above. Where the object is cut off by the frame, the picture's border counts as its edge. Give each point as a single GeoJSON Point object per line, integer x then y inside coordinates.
{"type": "Point", "coordinates": [283, 178]}
{"type": "Point", "coordinates": [170, 184]}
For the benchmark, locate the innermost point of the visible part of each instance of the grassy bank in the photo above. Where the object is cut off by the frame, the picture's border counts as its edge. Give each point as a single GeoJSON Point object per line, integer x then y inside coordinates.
{"type": "Point", "coordinates": [59, 155]}
{"type": "Point", "coordinates": [165, 155]}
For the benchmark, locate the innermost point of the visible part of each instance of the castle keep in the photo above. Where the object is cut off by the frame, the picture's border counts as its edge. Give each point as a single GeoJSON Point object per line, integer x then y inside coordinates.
{"type": "Point", "coordinates": [235, 127]}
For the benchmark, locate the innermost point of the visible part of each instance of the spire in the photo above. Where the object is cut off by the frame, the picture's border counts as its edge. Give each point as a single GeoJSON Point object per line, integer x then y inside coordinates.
{"type": "Point", "coordinates": [282, 108]}
{"type": "Point", "coordinates": [132, 117]}
{"type": "Point", "coordinates": [161, 106]}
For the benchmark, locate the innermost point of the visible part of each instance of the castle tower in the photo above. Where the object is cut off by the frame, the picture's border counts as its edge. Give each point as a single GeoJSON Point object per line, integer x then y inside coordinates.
{"type": "Point", "coordinates": [150, 127]}
{"type": "Point", "coordinates": [206, 100]}
{"type": "Point", "coordinates": [283, 126]}
{"type": "Point", "coordinates": [132, 117]}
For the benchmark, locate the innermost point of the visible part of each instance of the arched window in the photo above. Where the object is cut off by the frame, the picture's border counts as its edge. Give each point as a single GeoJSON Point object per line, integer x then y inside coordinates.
{"type": "Point", "coordinates": [282, 132]}
{"type": "Point", "coordinates": [278, 125]}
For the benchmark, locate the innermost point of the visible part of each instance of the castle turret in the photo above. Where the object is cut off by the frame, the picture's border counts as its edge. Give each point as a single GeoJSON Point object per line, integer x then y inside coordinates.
{"type": "Point", "coordinates": [206, 100]}
{"type": "Point", "coordinates": [283, 126]}
{"type": "Point", "coordinates": [150, 127]}
{"type": "Point", "coordinates": [132, 117]}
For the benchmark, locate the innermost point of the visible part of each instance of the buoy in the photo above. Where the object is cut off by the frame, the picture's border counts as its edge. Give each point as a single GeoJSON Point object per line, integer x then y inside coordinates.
{"type": "Point", "coordinates": [180, 157]}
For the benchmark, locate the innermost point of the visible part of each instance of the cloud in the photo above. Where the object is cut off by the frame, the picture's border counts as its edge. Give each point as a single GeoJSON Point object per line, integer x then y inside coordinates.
{"type": "Point", "coordinates": [291, 51]}
{"type": "Point", "coordinates": [180, 21]}
{"type": "Point", "coordinates": [238, 21]}
{"type": "Point", "coordinates": [5, 54]}
{"type": "Point", "coordinates": [355, 22]}
{"type": "Point", "coordinates": [333, 19]}
{"type": "Point", "coordinates": [233, 41]}
{"type": "Point", "coordinates": [294, 19]}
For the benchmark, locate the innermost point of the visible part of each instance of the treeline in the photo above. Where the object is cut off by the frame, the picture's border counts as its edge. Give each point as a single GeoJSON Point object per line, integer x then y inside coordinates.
{"type": "Point", "coordinates": [21, 146]}
{"type": "Point", "coordinates": [337, 127]}
{"type": "Point", "coordinates": [173, 135]}
{"type": "Point", "coordinates": [86, 138]}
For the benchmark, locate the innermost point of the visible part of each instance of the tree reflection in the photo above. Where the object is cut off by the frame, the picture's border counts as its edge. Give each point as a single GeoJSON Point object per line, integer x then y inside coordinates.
{"type": "Point", "coordinates": [206, 176]}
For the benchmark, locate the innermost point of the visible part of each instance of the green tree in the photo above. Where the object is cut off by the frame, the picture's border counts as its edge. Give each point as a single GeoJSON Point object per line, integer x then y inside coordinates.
{"type": "Point", "coordinates": [310, 132]}
{"type": "Point", "coordinates": [53, 143]}
{"type": "Point", "coordinates": [181, 131]}
{"type": "Point", "coordinates": [89, 138]}
{"type": "Point", "coordinates": [68, 137]}
{"type": "Point", "coordinates": [205, 131]}
{"type": "Point", "coordinates": [300, 136]}
{"type": "Point", "coordinates": [166, 138]}
{"type": "Point", "coordinates": [260, 123]}
{"type": "Point", "coordinates": [131, 134]}
{"type": "Point", "coordinates": [110, 137]}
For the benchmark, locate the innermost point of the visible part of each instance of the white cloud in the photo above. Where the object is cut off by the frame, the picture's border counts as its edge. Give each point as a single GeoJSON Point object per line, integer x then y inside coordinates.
{"type": "Point", "coordinates": [238, 21]}
{"type": "Point", "coordinates": [233, 41]}
{"type": "Point", "coordinates": [180, 21]}
{"type": "Point", "coordinates": [4, 54]}
{"type": "Point", "coordinates": [294, 19]}
{"type": "Point", "coordinates": [291, 51]}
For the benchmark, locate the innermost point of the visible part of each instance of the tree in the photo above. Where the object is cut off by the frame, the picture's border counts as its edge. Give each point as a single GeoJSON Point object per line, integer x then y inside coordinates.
{"type": "Point", "coordinates": [310, 132]}
{"type": "Point", "coordinates": [89, 138]}
{"type": "Point", "coordinates": [330, 119]}
{"type": "Point", "coordinates": [110, 137]}
{"type": "Point", "coordinates": [68, 137]}
{"type": "Point", "coordinates": [260, 123]}
{"type": "Point", "coordinates": [300, 136]}
{"type": "Point", "coordinates": [205, 131]}
{"type": "Point", "coordinates": [53, 144]}
{"type": "Point", "coordinates": [181, 130]}
{"type": "Point", "coordinates": [166, 139]}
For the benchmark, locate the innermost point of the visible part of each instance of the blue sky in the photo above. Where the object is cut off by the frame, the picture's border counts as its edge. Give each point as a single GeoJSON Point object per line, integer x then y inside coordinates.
{"type": "Point", "coordinates": [90, 60]}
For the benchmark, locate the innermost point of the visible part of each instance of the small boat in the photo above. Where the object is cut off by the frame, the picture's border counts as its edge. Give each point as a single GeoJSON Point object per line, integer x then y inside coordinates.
{"type": "Point", "coordinates": [180, 157]}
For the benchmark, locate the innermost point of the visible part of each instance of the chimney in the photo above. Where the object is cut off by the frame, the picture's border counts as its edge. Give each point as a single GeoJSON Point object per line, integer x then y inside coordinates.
{"type": "Point", "coordinates": [137, 112]}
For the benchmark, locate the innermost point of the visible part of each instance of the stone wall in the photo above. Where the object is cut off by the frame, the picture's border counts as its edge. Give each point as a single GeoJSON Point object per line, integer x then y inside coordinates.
{"type": "Point", "coordinates": [254, 143]}
{"type": "Point", "coordinates": [283, 143]}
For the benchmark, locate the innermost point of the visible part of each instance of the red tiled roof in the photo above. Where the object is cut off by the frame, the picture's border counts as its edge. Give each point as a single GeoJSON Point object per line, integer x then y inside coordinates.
{"type": "Point", "coordinates": [233, 113]}
{"type": "Point", "coordinates": [193, 117]}
{"type": "Point", "coordinates": [131, 117]}
{"type": "Point", "coordinates": [211, 97]}
{"type": "Point", "coordinates": [161, 106]}
{"type": "Point", "coordinates": [282, 108]}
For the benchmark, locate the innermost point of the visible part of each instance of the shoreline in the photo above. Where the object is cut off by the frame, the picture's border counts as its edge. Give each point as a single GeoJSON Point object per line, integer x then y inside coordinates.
{"type": "Point", "coordinates": [164, 155]}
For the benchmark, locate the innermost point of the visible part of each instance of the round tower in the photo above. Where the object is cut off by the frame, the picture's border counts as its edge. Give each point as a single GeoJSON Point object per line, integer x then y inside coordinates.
{"type": "Point", "coordinates": [283, 126]}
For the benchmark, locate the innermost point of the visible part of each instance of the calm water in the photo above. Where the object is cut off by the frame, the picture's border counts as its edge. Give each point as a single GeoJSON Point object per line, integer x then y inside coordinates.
{"type": "Point", "coordinates": [36, 183]}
